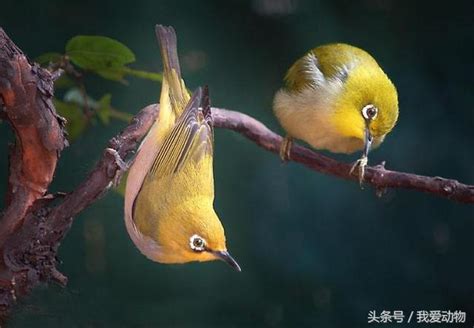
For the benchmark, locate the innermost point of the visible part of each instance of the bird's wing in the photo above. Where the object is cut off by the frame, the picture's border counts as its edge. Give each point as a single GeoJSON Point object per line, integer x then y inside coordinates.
{"type": "Point", "coordinates": [178, 95]}
{"type": "Point", "coordinates": [304, 73]}
{"type": "Point", "coordinates": [322, 65]}
{"type": "Point", "coordinates": [191, 138]}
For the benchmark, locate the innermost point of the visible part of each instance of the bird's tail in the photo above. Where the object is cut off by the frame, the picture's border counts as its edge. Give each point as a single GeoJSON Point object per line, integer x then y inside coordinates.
{"type": "Point", "coordinates": [177, 93]}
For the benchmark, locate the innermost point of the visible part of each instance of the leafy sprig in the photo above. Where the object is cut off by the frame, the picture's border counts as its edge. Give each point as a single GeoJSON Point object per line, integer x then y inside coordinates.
{"type": "Point", "coordinates": [99, 55]}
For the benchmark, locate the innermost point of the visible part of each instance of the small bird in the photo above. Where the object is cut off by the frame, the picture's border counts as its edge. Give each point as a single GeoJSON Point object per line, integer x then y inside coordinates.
{"type": "Point", "coordinates": [336, 97]}
{"type": "Point", "coordinates": [169, 195]}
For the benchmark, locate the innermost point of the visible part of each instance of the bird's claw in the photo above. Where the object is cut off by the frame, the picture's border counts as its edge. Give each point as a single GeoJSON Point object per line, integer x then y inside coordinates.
{"type": "Point", "coordinates": [285, 148]}
{"type": "Point", "coordinates": [360, 164]}
{"type": "Point", "coordinates": [123, 166]}
{"type": "Point", "coordinates": [118, 160]}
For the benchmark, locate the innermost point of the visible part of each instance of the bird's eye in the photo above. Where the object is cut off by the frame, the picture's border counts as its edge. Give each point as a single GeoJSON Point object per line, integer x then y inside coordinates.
{"type": "Point", "coordinates": [369, 112]}
{"type": "Point", "coordinates": [197, 243]}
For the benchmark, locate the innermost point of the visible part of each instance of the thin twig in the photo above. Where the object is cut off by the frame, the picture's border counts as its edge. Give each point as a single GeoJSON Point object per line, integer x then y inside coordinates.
{"type": "Point", "coordinates": [34, 224]}
{"type": "Point", "coordinates": [377, 176]}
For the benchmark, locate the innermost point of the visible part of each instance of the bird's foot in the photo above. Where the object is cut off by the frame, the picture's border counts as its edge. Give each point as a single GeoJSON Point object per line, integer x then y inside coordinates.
{"type": "Point", "coordinates": [123, 166]}
{"type": "Point", "coordinates": [360, 165]}
{"type": "Point", "coordinates": [285, 148]}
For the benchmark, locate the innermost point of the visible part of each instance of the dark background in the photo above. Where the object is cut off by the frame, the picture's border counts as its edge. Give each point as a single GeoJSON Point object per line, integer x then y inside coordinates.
{"type": "Point", "coordinates": [315, 250]}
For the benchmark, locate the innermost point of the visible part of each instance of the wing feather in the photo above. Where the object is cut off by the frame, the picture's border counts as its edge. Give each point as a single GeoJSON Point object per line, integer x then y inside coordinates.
{"type": "Point", "coordinates": [190, 139]}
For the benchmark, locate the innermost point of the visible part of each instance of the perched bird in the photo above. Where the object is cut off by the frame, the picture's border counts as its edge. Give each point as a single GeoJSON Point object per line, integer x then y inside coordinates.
{"type": "Point", "coordinates": [169, 195]}
{"type": "Point", "coordinates": [337, 98]}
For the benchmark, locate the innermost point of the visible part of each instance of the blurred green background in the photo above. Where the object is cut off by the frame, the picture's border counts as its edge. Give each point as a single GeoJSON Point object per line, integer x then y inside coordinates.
{"type": "Point", "coordinates": [315, 251]}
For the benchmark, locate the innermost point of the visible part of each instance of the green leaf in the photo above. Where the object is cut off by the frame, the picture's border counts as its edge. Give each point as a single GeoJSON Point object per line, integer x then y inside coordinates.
{"type": "Point", "coordinates": [98, 53]}
{"type": "Point", "coordinates": [102, 107]}
{"type": "Point", "coordinates": [76, 121]}
{"type": "Point", "coordinates": [157, 77]}
{"type": "Point", "coordinates": [113, 73]}
{"type": "Point", "coordinates": [103, 110]}
{"type": "Point", "coordinates": [48, 58]}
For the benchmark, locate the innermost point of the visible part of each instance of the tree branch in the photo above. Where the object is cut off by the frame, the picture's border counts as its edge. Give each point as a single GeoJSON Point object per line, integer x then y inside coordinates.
{"type": "Point", "coordinates": [377, 176]}
{"type": "Point", "coordinates": [33, 224]}
{"type": "Point", "coordinates": [30, 252]}
{"type": "Point", "coordinates": [26, 91]}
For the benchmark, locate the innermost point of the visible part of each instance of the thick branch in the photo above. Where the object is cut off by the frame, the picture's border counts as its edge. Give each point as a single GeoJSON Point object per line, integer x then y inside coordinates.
{"type": "Point", "coordinates": [26, 91]}
{"type": "Point", "coordinates": [30, 253]}
{"type": "Point", "coordinates": [376, 176]}
{"type": "Point", "coordinates": [33, 225]}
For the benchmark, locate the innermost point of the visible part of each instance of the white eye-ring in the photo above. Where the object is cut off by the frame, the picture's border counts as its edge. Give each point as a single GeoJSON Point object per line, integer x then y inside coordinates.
{"type": "Point", "coordinates": [369, 112]}
{"type": "Point", "coordinates": [197, 243]}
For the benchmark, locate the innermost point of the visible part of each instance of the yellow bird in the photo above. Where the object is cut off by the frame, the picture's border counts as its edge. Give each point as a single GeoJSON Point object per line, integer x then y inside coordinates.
{"type": "Point", "coordinates": [337, 98]}
{"type": "Point", "coordinates": [169, 195]}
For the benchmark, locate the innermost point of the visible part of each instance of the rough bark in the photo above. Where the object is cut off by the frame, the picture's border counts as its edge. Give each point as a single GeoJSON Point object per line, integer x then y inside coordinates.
{"type": "Point", "coordinates": [34, 223]}
{"type": "Point", "coordinates": [26, 91]}
{"type": "Point", "coordinates": [377, 176]}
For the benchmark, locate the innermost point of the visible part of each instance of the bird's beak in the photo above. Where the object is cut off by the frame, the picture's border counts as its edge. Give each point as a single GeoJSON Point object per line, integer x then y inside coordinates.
{"type": "Point", "coordinates": [367, 141]}
{"type": "Point", "coordinates": [227, 258]}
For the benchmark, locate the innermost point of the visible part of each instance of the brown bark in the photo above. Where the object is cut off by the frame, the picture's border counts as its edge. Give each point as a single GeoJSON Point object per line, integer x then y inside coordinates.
{"type": "Point", "coordinates": [26, 91]}
{"type": "Point", "coordinates": [30, 251]}
{"type": "Point", "coordinates": [377, 176]}
{"type": "Point", "coordinates": [34, 223]}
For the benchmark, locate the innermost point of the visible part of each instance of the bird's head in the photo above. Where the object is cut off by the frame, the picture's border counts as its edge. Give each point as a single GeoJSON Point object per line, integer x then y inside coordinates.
{"type": "Point", "coordinates": [367, 106]}
{"type": "Point", "coordinates": [193, 232]}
